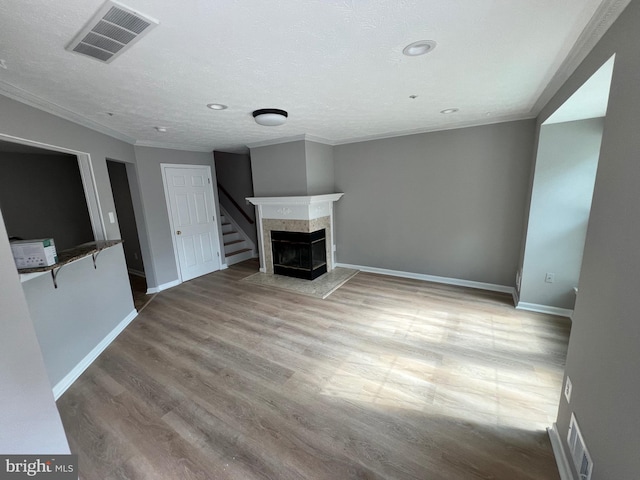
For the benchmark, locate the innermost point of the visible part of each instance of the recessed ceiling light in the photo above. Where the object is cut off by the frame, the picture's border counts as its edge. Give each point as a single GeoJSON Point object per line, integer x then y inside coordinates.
{"type": "Point", "coordinates": [413, 97]}
{"type": "Point", "coordinates": [110, 114]}
{"type": "Point", "coordinates": [449, 110]}
{"type": "Point", "coordinates": [217, 106]}
{"type": "Point", "coordinates": [419, 48]}
{"type": "Point", "coordinates": [161, 129]}
{"type": "Point", "coordinates": [270, 117]}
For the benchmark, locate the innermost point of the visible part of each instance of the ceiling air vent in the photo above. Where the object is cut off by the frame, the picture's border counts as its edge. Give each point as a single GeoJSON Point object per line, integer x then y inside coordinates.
{"type": "Point", "coordinates": [110, 32]}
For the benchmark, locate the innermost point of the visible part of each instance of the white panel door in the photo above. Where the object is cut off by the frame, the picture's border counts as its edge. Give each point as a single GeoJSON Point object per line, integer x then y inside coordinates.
{"type": "Point", "coordinates": [195, 231]}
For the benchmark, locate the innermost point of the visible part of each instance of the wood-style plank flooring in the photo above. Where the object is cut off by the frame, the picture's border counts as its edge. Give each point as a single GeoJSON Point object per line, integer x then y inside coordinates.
{"type": "Point", "coordinates": [388, 378]}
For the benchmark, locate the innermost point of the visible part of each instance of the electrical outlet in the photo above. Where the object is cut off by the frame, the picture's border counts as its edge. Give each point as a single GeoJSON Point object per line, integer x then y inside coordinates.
{"type": "Point", "coordinates": [112, 218]}
{"type": "Point", "coordinates": [550, 278]}
{"type": "Point", "coordinates": [567, 389]}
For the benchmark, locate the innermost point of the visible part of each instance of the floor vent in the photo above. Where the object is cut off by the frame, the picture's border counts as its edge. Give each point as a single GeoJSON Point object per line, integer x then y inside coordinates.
{"type": "Point", "coordinates": [579, 452]}
{"type": "Point", "coordinates": [110, 32]}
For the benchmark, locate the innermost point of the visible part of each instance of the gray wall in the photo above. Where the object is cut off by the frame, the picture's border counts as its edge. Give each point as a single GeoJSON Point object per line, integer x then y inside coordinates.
{"type": "Point", "coordinates": [126, 216]}
{"type": "Point", "coordinates": [279, 170]}
{"type": "Point", "coordinates": [28, 415]}
{"type": "Point", "coordinates": [75, 317]}
{"type": "Point", "coordinates": [297, 168]}
{"type": "Point", "coordinates": [604, 348]}
{"type": "Point", "coordinates": [21, 121]}
{"type": "Point", "coordinates": [233, 171]}
{"type": "Point", "coordinates": [154, 204]}
{"type": "Point", "coordinates": [446, 203]}
{"type": "Point", "coordinates": [565, 172]}
{"type": "Point", "coordinates": [57, 210]}
{"type": "Point", "coordinates": [320, 175]}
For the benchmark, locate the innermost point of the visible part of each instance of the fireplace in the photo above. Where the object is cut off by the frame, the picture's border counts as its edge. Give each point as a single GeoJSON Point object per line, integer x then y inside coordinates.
{"type": "Point", "coordinates": [299, 254]}
{"type": "Point", "coordinates": [298, 215]}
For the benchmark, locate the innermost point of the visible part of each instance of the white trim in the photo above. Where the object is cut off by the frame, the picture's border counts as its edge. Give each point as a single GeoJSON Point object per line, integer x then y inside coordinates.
{"type": "Point", "coordinates": [430, 278]}
{"type": "Point", "coordinates": [91, 196]}
{"type": "Point", "coordinates": [440, 128]}
{"type": "Point", "coordinates": [174, 146]}
{"type": "Point", "coordinates": [306, 200]}
{"type": "Point", "coordinates": [137, 273]}
{"type": "Point", "coordinates": [164, 286]}
{"type": "Point", "coordinates": [241, 232]}
{"type": "Point", "coordinates": [73, 375]}
{"type": "Point", "coordinates": [295, 138]}
{"type": "Point", "coordinates": [22, 96]}
{"type": "Point", "coordinates": [87, 176]}
{"type": "Point", "coordinates": [224, 266]}
{"type": "Point", "coordinates": [534, 307]}
{"type": "Point", "coordinates": [216, 221]}
{"type": "Point", "coordinates": [516, 297]}
{"type": "Point", "coordinates": [605, 16]}
{"type": "Point", "coordinates": [560, 454]}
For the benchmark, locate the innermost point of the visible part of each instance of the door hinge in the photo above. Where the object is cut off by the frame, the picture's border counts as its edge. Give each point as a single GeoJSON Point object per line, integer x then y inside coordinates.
{"type": "Point", "coordinates": [209, 180]}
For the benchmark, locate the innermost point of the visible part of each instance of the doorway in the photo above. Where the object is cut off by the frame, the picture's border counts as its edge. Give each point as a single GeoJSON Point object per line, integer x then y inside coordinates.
{"type": "Point", "coordinates": [123, 202]}
{"type": "Point", "coordinates": [194, 229]}
{"type": "Point", "coordinates": [566, 163]}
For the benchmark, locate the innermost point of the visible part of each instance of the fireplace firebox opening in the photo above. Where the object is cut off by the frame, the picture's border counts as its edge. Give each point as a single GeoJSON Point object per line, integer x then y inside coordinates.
{"type": "Point", "coordinates": [299, 254]}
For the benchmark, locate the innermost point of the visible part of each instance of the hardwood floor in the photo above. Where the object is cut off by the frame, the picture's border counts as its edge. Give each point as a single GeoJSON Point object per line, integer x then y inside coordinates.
{"type": "Point", "coordinates": [388, 378]}
{"type": "Point", "coordinates": [139, 291]}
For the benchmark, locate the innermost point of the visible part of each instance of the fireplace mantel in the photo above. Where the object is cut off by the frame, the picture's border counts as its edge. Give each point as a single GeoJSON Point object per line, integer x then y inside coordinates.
{"type": "Point", "coordinates": [299, 213]}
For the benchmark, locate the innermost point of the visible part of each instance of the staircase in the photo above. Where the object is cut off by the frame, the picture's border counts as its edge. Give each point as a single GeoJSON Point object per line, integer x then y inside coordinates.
{"type": "Point", "coordinates": [237, 247]}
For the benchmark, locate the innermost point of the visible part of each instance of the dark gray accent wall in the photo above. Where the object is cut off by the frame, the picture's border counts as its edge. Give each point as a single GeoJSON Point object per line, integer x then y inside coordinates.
{"type": "Point", "coordinates": [126, 216]}
{"type": "Point", "coordinates": [604, 348]}
{"type": "Point", "coordinates": [42, 196]}
{"type": "Point", "coordinates": [28, 414]}
{"type": "Point", "coordinates": [565, 172]}
{"type": "Point", "coordinates": [233, 171]}
{"type": "Point", "coordinates": [446, 203]}
{"type": "Point", "coordinates": [148, 160]}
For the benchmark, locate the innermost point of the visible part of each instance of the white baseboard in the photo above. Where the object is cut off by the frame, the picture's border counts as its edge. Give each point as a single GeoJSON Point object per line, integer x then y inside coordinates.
{"type": "Point", "coordinates": [137, 273]}
{"type": "Point", "coordinates": [430, 278]}
{"type": "Point", "coordinates": [73, 375]}
{"type": "Point", "coordinates": [534, 307]}
{"type": "Point", "coordinates": [560, 454]}
{"type": "Point", "coordinates": [224, 266]}
{"type": "Point", "coordinates": [164, 286]}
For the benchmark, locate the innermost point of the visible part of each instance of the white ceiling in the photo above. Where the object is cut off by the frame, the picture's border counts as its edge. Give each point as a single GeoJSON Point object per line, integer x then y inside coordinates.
{"type": "Point", "coordinates": [335, 65]}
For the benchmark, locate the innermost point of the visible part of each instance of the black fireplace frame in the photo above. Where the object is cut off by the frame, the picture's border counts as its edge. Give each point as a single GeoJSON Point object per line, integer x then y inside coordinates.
{"type": "Point", "coordinates": [306, 253]}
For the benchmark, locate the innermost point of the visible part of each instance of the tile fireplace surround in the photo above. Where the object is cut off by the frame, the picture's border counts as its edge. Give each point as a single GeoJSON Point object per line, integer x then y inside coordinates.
{"type": "Point", "coordinates": [293, 214]}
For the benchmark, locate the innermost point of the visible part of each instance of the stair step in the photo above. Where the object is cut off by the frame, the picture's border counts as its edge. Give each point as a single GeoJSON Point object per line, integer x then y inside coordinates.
{"type": "Point", "coordinates": [230, 232]}
{"type": "Point", "coordinates": [232, 242]}
{"type": "Point", "coordinates": [242, 250]}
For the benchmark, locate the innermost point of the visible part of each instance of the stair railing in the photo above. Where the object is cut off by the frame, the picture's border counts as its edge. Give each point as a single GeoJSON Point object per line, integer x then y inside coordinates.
{"type": "Point", "coordinates": [235, 204]}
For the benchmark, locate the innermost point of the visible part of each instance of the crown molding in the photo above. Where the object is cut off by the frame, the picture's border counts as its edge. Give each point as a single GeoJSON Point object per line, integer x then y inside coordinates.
{"type": "Point", "coordinates": [174, 146]}
{"type": "Point", "coordinates": [295, 138]}
{"type": "Point", "coordinates": [607, 13]}
{"type": "Point", "coordinates": [418, 131]}
{"type": "Point", "coordinates": [22, 96]}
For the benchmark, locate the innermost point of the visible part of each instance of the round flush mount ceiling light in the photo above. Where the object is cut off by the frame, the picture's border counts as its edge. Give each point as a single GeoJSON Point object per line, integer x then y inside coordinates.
{"type": "Point", "coordinates": [270, 117]}
{"type": "Point", "coordinates": [447, 111]}
{"type": "Point", "coordinates": [161, 129]}
{"type": "Point", "coordinates": [217, 106]}
{"type": "Point", "coordinates": [419, 48]}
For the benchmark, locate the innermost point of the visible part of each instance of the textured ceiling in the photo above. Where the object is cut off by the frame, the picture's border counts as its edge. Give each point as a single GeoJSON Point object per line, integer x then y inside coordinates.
{"type": "Point", "coordinates": [335, 65]}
